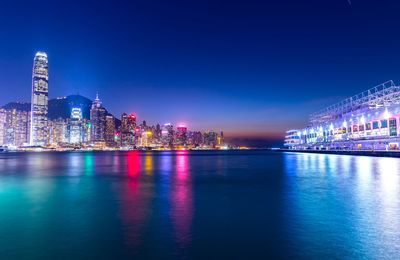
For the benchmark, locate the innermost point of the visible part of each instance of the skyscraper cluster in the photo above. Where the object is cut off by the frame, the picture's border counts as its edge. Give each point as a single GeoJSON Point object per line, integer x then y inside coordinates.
{"type": "Point", "coordinates": [31, 127]}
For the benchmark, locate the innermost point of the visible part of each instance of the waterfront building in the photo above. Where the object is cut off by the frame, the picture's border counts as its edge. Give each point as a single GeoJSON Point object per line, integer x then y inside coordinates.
{"type": "Point", "coordinates": [210, 139]}
{"type": "Point", "coordinates": [128, 122]}
{"type": "Point", "coordinates": [2, 125]}
{"type": "Point", "coordinates": [292, 138]}
{"type": "Point", "coordinates": [145, 139]}
{"type": "Point", "coordinates": [98, 121]}
{"type": "Point", "coordinates": [367, 121]}
{"type": "Point", "coordinates": [221, 140]}
{"type": "Point", "coordinates": [167, 135]}
{"type": "Point", "coordinates": [110, 131]}
{"type": "Point", "coordinates": [75, 126]}
{"type": "Point", "coordinates": [181, 135]}
{"type": "Point", "coordinates": [128, 130]}
{"type": "Point", "coordinates": [39, 103]}
{"type": "Point", "coordinates": [86, 131]}
{"type": "Point", "coordinates": [14, 127]}
{"type": "Point", "coordinates": [157, 134]}
{"type": "Point", "coordinates": [195, 138]}
{"type": "Point", "coordinates": [59, 133]}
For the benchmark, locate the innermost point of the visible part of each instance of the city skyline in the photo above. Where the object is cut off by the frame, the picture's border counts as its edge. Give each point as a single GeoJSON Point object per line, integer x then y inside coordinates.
{"type": "Point", "coordinates": [32, 129]}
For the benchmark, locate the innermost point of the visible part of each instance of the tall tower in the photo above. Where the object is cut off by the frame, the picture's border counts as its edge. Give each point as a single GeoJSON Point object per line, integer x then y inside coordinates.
{"type": "Point", "coordinates": [98, 118]}
{"type": "Point", "coordinates": [39, 102]}
{"type": "Point", "coordinates": [75, 126]}
{"type": "Point", "coordinates": [128, 126]}
{"type": "Point", "coordinates": [110, 131]}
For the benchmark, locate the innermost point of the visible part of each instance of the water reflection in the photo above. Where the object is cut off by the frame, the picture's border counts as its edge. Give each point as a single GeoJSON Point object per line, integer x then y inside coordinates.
{"type": "Point", "coordinates": [389, 201]}
{"type": "Point", "coordinates": [166, 163]}
{"type": "Point", "coordinates": [204, 204]}
{"type": "Point", "coordinates": [358, 195]}
{"type": "Point", "coordinates": [148, 163]}
{"type": "Point", "coordinates": [133, 163]}
{"type": "Point", "coordinates": [89, 165]}
{"type": "Point", "coordinates": [134, 203]}
{"type": "Point", "coordinates": [174, 195]}
{"type": "Point", "coordinates": [182, 208]}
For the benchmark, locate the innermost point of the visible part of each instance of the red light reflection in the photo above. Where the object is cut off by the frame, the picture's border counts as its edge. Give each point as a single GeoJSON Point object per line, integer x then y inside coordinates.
{"type": "Point", "coordinates": [182, 204]}
{"type": "Point", "coordinates": [133, 163]}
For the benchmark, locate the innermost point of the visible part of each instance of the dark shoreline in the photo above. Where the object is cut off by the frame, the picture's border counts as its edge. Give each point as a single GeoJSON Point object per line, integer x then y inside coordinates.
{"type": "Point", "coordinates": [395, 154]}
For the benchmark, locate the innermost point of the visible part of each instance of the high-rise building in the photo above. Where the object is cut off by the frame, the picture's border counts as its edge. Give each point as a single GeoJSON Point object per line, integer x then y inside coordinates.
{"type": "Point", "coordinates": [58, 132]}
{"type": "Point", "coordinates": [221, 138]}
{"type": "Point", "coordinates": [39, 102]}
{"type": "Point", "coordinates": [75, 126]}
{"type": "Point", "coordinates": [145, 139]}
{"type": "Point", "coordinates": [181, 135]}
{"type": "Point", "coordinates": [86, 131]}
{"type": "Point", "coordinates": [195, 138]}
{"type": "Point", "coordinates": [210, 139]}
{"type": "Point", "coordinates": [14, 127]}
{"type": "Point", "coordinates": [2, 125]}
{"type": "Point", "coordinates": [157, 134]}
{"type": "Point", "coordinates": [128, 128]}
{"type": "Point", "coordinates": [128, 123]}
{"type": "Point", "coordinates": [167, 135]}
{"type": "Point", "coordinates": [98, 118]}
{"type": "Point", "coordinates": [110, 131]}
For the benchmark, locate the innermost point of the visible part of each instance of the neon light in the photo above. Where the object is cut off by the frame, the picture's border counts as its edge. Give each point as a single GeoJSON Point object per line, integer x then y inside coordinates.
{"type": "Point", "coordinates": [362, 120]}
{"type": "Point", "coordinates": [386, 114]}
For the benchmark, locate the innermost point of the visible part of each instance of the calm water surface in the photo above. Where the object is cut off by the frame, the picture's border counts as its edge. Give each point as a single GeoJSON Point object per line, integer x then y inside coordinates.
{"type": "Point", "coordinates": [234, 204]}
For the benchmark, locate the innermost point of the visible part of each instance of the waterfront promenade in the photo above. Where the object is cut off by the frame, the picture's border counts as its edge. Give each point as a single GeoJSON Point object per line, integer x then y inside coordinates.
{"type": "Point", "coordinates": [376, 153]}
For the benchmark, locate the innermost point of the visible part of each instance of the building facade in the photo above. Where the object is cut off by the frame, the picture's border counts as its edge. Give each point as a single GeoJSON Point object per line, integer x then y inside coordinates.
{"type": "Point", "coordinates": [98, 121]}
{"type": "Point", "coordinates": [14, 127]}
{"type": "Point", "coordinates": [110, 131]}
{"type": "Point", "coordinates": [167, 135]}
{"type": "Point", "coordinates": [181, 135]}
{"type": "Point", "coordinates": [59, 134]}
{"type": "Point", "coordinates": [75, 126]}
{"type": "Point", "coordinates": [367, 121]}
{"type": "Point", "coordinates": [128, 135]}
{"type": "Point", "coordinates": [39, 103]}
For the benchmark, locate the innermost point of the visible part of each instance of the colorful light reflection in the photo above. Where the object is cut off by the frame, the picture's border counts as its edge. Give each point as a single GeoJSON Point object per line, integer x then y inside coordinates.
{"type": "Point", "coordinates": [182, 204]}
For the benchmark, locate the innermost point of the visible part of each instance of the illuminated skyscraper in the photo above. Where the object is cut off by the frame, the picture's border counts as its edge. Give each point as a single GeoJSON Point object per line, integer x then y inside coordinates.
{"type": "Point", "coordinates": [110, 131]}
{"type": "Point", "coordinates": [2, 125]}
{"type": "Point", "coordinates": [128, 127]}
{"type": "Point", "coordinates": [98, 118]}
{"type": "Point", "coordinates": [75, 126]}
{"type": "Point", "coordinates": [210, 139]}
{"type": "Point", "coordinates": [58, 132]}
{"type": "Point", "coordinates": [181, 135]}
{"type": "Point", "coordinates": [13, 127]}
{"type": "Point", "coordinates": [167, 135]}
{"type": "Point", "coordinates": [39, 102]}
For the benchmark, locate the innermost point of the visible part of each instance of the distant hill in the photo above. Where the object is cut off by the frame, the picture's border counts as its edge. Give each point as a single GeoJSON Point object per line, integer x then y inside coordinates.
{"type": "Point", "coordinates": [22, 106]}
{"type": "Point", "coordinates": [60, 107]}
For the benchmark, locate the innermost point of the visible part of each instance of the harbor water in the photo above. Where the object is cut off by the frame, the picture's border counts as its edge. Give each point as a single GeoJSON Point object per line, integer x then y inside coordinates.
{"type": "Point", "coordinates": [198, 204]}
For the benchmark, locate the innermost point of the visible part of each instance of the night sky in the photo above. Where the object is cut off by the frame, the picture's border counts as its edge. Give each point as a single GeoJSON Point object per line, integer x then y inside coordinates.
{"type": "Point", "coordinates": [250, 68]}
